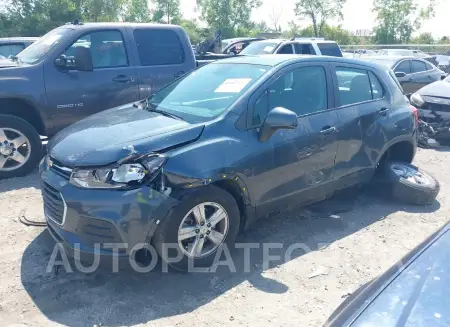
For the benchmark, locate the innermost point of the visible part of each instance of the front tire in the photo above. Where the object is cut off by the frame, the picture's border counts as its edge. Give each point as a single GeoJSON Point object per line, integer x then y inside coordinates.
{"type": "Point", "coordinates": [20, 147]}
{"type": "Point", "coordinates": [204, 222]}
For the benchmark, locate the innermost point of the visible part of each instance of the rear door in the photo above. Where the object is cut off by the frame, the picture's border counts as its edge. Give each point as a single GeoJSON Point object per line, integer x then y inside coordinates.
{"type": "Point", "coordinates": [406, 82]}
{"type": "Point", "coordinates": [294, 166]}
{"type": "Point", "coordinates": [421, 75]}
{"type": "Point", "coordinates": [73, 95]}
{"type": "Point", "coordinates": [362, 109]}
{"type": "Point", "coordinates": [304, 48]}
{"type": "Point", "coordinates": [162, 56]}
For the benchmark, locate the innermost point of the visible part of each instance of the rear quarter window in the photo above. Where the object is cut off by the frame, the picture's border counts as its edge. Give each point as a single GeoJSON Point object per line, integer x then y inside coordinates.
{"type": "Point", "coordinates": [330, 49]}
{"type": "Point", "coordinates": [158, 47]}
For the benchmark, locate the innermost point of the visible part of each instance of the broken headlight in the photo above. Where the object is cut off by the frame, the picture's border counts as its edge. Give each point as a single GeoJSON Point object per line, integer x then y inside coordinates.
{"type": "Point", "coordinates": [123, 176]}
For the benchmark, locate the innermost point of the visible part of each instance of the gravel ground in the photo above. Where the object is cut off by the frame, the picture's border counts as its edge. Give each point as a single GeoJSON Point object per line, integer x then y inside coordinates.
{"type": "Point", "coordinates": [348, 251]}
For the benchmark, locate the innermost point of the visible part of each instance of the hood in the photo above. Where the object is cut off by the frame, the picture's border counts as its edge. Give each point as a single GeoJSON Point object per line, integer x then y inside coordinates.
{"type": "Point", "coordinates": [4, 63]}
{"type": "Point", "coordinates": [106, 137]}
{"type": "Point", "coordinates": [419, 295]}
{"type": "Point", "coordinates": [436, 89]}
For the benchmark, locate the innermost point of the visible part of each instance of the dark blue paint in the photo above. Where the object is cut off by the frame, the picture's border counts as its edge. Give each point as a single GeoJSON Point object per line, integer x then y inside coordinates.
{"type": "Point", "coordinates": [411, 293]}
{"type": "Point", "coordinates": [329, 150]}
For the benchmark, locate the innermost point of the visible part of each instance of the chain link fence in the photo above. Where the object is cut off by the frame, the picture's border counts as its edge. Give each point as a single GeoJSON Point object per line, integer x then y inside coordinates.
{"type": "Point", "coordinates": [437, 54]}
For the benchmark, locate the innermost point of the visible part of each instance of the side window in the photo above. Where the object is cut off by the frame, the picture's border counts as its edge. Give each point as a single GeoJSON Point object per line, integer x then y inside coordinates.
{"type": "Point", "coordinates": [305, 49]}
{"type": "Point", "coordinates": [286, 49]}
{"type": "Point", "coordinates": [354, 85]}
{"type": "Point", "coordinates": [418, 66]}
{"type": "Point", "coordinates": [377, 89]}
{"type": "Point", "coordinates": [403, 67]}
{"type": "Point", "coordinates": [107, 49]}
{"type": "Point", "coordinates": [158, 47]}
{"type": "Point", "coordinates": [429, 66]}
{"type": "Point", "coordinates": [7, 50]}
{"type": "Point", "coordinates": [303, 90]}
{"type": "Point", "coordinates": [329, 49]}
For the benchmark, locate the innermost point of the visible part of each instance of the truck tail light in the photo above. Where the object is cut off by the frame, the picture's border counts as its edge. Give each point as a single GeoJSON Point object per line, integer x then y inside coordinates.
{"type": "Point", "coordinates": [415, 112]}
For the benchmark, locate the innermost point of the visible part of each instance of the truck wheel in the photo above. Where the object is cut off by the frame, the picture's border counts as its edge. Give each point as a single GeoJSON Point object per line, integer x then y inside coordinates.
{"type": "Point", "coordinates": [20, 147]}
{"type": "Point", "coordinates": [410, 184]}
{"type": "Point", "coordinates": [197, 228]}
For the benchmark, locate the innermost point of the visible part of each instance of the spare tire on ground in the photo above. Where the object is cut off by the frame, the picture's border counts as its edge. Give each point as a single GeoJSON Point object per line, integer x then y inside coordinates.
{"type": "Point", "coordinates": [409, 183]}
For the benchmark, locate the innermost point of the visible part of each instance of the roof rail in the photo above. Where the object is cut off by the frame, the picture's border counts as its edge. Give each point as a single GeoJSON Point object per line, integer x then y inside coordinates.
{"type": "Point", "coordinates": [75, 22]}
{"type": "Point", "coordinates": [294, 38]}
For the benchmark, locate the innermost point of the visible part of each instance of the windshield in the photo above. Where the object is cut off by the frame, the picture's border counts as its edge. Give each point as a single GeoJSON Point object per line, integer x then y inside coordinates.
{"type": "Point", "coordinates": [400, 52]}
{"type": "Point", "coordinates": [35, 52]}
{"type": "Point", "coordinates": [207, 92]}
{"type": "Point", "coordinates": [257, 48]}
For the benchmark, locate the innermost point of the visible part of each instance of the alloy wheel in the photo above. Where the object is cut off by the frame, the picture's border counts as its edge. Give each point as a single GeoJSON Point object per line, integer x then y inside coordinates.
{"type": "Point", "coordinates": [203, 229]}
{"type": "Point", "coordinates": [15, 149]}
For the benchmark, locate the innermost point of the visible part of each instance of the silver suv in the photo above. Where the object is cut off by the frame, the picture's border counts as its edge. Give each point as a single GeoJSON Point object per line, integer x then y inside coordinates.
{"type": "Point", "coordinates": [305, 46]}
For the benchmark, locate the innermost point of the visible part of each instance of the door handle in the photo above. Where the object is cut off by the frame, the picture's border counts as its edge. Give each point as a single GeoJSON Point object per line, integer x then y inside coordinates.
{"type": "Point", "coordinates": [328, 130]}
{"type": "Point", "coordinates": [123, 79]}
{"type": "Point", "coordinates": [180, 73]}
{"type": "Point", "coordinates": [383, 111]}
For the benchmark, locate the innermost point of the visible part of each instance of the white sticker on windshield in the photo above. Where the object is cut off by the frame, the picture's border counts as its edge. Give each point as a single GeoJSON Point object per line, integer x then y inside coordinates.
{"type": "Point", "coordinates": [233, 85]}
{"type": "Point", "coordinates": [269, 48]}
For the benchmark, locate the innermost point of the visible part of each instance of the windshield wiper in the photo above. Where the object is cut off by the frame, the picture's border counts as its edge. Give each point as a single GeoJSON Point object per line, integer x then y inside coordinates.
{"type": "Point", "coordinates": [153, 108]}
{"type": "Point", "coordinates": [14, 58]}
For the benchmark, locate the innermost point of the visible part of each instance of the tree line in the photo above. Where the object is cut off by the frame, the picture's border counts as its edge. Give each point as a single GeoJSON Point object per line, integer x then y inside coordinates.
{"type": "Point", "coordinates": [396, 20]}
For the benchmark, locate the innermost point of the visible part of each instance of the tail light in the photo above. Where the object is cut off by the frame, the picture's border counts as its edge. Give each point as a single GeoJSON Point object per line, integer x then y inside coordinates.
{"type": "Point", "coordinates": [415, 112]}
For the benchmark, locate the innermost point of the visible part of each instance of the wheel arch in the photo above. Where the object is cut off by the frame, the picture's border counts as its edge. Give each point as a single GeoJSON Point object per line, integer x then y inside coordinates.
{"type": "Point", "coordinates": [23, 109]}
{"type": "Point", "coordinates": [399, 150]}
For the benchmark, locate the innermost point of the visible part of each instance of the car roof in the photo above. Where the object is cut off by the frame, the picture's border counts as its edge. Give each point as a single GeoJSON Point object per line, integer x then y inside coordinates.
{"type": "Point", "coordinates": [237, 39]}
{"type": "Point", "coordinates": [18, 38]}
{"type": "Point", "coordinates": [281, 59]}
{"type": "Point", "coordinates": [106, 25]}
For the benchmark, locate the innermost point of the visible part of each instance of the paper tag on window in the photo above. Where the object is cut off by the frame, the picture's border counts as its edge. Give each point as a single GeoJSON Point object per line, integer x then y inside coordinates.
{"type": "Point", "coordinates": [269, 48]}
{"type": "Point", "coordinates": [233, 85]}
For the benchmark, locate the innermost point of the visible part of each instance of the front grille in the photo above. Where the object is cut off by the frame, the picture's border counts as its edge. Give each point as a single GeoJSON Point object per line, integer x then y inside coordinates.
{"type": "Point", "coordinates": [438, 107]}
{"type": "Point", "coordinates": [54, 206]}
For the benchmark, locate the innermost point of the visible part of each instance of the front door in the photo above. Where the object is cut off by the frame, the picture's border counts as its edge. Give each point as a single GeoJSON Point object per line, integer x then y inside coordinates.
{"type": "Point", "coordinates": [294, 166]}
{"type": "Point", "coordinates": [73, 95]}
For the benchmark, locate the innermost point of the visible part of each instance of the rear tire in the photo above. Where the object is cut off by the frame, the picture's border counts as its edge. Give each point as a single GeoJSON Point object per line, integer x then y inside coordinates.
{"type": "Point", "coordinates": [180, 217]}
{"type": "Point", "coordinates": [13, 127]}
{"type": "Point", "coordinates": [410, 184]}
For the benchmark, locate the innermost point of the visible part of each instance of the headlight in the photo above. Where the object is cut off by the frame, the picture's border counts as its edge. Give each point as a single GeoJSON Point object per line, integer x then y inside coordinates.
{"type": "Point", "coordinates": [416, 99]}
{"type": "Point", "coordinates": [123, 176]}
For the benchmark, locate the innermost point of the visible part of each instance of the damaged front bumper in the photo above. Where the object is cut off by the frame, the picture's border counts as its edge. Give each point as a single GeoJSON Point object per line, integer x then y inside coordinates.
{"type": "Point", "coordinates": [87, 222]}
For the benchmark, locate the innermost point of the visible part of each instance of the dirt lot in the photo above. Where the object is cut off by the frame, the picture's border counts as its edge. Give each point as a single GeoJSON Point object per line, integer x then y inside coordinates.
{"type": "Point", "coordinates": [362, 242]}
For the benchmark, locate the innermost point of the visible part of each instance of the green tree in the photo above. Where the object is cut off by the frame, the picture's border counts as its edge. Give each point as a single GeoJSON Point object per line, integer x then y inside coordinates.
{"type": "Point", "coordinates": [101, 10]}
{"type": "Point", "coordinates": [319, 12]}
{"type": "Point", "coordinates": [166, 11]}
{"type": "Point", "coordinates": [137, 11]}
{"type": "Point", "coordinates": [398, 19]}
{"type": "Point", "coordinates": [227, 15]}
{"type": "Point", "coordinates": [444, 40]}
{"type": "Point", "coordinates": [424, 38]}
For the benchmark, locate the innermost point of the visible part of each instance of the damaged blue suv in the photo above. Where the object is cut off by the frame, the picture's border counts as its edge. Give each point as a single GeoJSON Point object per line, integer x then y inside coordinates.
{"type": "Point", "coordinates": [207, 155]}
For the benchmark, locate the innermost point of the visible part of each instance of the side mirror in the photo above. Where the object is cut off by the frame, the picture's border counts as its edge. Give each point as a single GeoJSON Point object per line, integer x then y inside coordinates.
{"type": "Point", "coordinates": [277, 118]}
{"type": "Point", "coordinates": [400, 74]}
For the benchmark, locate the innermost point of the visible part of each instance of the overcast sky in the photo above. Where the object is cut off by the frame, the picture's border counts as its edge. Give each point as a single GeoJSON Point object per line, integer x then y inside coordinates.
{"type": "Point", "coordinates": [357, 14]}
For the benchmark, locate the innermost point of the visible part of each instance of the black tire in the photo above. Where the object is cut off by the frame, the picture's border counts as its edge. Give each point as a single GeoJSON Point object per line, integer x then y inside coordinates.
{"type": "Point", "coordinates": [30, 132]}
{"type": "Point", "coordinates": [407, 191]}
{"type": "Point", "coordinates": [167, 232]}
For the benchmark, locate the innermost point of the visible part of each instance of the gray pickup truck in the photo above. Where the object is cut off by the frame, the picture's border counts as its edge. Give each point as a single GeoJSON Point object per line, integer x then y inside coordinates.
{"type": "Point", "coordinates": [77, 70]}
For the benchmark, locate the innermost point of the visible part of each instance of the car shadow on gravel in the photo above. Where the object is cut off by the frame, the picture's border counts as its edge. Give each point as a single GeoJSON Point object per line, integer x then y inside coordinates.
{"type": "Point", "coordinates": [127, 297]}
{"type": "Point", "coordinates": [17, 183]}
